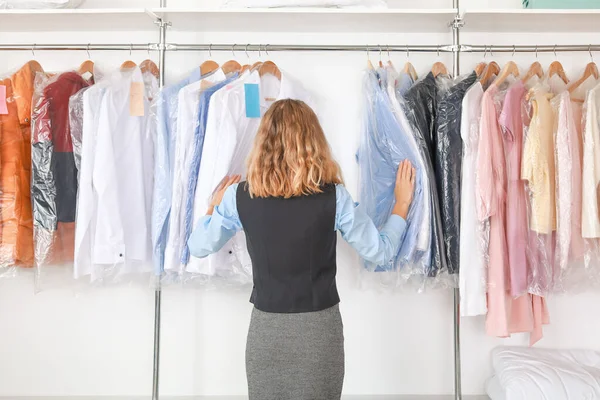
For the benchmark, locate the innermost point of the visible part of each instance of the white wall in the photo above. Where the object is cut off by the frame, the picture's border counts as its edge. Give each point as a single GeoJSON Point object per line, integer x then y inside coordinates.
{"type": "Point", "coordinates": [68, 341]}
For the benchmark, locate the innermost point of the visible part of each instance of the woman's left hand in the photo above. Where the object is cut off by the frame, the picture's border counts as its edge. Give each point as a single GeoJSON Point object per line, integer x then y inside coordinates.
{"type": "Point", "coordinates": [217, 196]}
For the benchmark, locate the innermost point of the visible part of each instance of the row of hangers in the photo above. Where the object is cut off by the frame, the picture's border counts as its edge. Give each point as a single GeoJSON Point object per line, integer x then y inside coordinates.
{"type": "Point", "coordinates": [438, 68]}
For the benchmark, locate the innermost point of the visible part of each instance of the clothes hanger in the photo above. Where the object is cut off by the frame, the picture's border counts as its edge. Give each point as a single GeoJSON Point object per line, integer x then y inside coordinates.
{"type": "Point", "coordinates": [556, 68]}
{"type": "Point", "coordinates": [369, 63]}
{"type": "Point", "coordinates": [231, 66]}
{"type": "Point", "coordinates": [86, 67]}
{"type": "Point", "coordinates": [438, 67]}
{"type": "Point", "coordinates": [590, 70]}
{"type": "Point", "coordinates": [479, 68]}
{"type": "Point", "coordinates": [269, 67]}
{"type": "Point", "coordinates": [534, 70]}
{"type": "Point", "coordinates": [409, 68]}
{"type": "Point", "coordinates": [246, 67]}
{"type": "Point", "coordinates": [509, 69]}
{"type": "Point", "coordinates": [151, 67]}
{"type": "Point", "coordinates": [128, 64]}
{"type": "Point", "coordinates": [208, 66]}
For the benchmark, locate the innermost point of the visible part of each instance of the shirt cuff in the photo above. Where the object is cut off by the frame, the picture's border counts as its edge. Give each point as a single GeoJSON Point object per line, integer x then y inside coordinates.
{"type": "Point", "coordinates": [395, 224]}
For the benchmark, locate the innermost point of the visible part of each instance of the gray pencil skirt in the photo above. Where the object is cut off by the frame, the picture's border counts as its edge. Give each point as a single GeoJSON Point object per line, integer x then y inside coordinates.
{"type": "Point", "coordinates": [295, 356]}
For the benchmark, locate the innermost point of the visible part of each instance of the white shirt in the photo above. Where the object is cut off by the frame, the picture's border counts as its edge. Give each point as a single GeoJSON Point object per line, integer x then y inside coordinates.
{"type": "Point", "coordinates": [227, 143]}
{"type": "Point", "coordinates": [590, 220]}
{"type": "Point", "coordinates": [472, 277]}
{"type": "Point", "coordinates": [121, 179]}
{"type": "Point", "coordinates": [187, 120]}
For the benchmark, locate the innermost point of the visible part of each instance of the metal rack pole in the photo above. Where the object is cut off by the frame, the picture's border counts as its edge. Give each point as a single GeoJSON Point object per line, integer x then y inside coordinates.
{"type": "Point", "coordinates": [162, 26]}
{"type": "Point", "coordinates": [89, 46]}
{"type": "Point", "coordinates": [294, 47]}
{"type": "Point", "coordinates": [456, 25]}
{"type": "Point", "coordinates": [529, 48]}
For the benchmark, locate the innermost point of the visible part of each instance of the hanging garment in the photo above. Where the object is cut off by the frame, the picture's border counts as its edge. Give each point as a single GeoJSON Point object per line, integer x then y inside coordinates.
{"type": "Point", "coordinates": [397, 86]}
{"type": "Point", "coordinates": [590, 220]}
{"type": "Point", "coordinates": [187, 120]}
{"type": "Point", "coordinates": [421, 107]}
{"type": "Point", "coordinates": [511, 122]}
{"type": "Point", "coordinates": [448, 165]}
{"type": "Point", "coordinates": [228, 140]}
{"type": "Point", "coordinates": [16, 223]}
{"type": "Point", "coordinates": [197, 146]}
{"type": "Point", "coordinates": [538, 169]}
{"type": "Point", "coordinates": [474, 235]}
{"type": "Point", "coordinates": [54, 174]}
{"type": "Point", "coordinates": [164, 152]}
{"type": "Point", "coordinates": [384, 144]}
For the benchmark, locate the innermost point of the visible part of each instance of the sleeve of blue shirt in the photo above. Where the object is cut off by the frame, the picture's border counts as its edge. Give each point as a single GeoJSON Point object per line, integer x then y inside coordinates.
{"type": "Point", "coordinates": [213, 231]}
{"type": "Point", "coordinates": [377, 247]}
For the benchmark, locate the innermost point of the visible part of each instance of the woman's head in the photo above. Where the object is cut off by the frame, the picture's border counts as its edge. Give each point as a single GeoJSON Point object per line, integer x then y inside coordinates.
{"type": "Point", "coordinates": [291, 156]}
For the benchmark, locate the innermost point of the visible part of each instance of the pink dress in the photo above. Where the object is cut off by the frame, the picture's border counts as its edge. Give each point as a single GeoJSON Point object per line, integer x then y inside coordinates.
{"type": "Point", "coordinates": [505, 315]}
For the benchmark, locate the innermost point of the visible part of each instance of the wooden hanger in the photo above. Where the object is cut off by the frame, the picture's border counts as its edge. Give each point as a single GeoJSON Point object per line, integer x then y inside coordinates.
{"type": "Point", "coordinates": [439, 69]}
{"type": "Point", "coordinates": [245, 67]}
{"type": "Point", "coordinates": [269, 67]}
{"type": "Point", "coordinates": [480, 68]}
{"type": "Point", "coordinates": [231, 66]}
{"type": "Point", "coordinates": [256, 65]}
{"type": "Point", "coordinates": [208, 66]}
{"type": "Point", "coordinates": [409, 69]}
{"type": "Point", "coordinates": [509, 69]}
{"type": "Point", "coordinates": [489, 71]}
{"type": "Point", "coordinates": [128, 65]}
{"type": "Point", "coordinates": [151, 67]}
{"type": "Point", "coordinates": [535, 69]}
{"type": "Point", "coordinates": [557, 68]}
{"type": "Point", "coordinates": [86, 67]}
{"type": "Point", "coordinates": [590, 70]}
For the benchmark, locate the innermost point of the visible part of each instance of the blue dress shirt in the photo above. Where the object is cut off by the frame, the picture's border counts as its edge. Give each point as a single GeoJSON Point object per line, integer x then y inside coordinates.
{"type": "Point", "coordinates": [378, 247]}
{"type": "Point", "coordinates": [205, 96]}
{"type": "Point", "coordinates": [163, 167]}
{"type": "Point", "coordinates": [383, 146]}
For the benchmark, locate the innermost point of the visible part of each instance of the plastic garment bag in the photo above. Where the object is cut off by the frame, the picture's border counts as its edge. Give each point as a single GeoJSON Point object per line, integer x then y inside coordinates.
{"type": "Point", "coordinates": [40, 3]}
{"type": "Point", "coordinates": [448, 164]}
{"type": "Point", "coordinates": [384, 144]}
{"type": "Point", "coordinates": [54, 174]}
{"type": "Point", "coordinates": [590, 215]}
{"type": "Point", "coordinates": [421, 108]}
{"type": "Point", "coordinates": [538, 169]}
{"type": "Point", "coordinates": [16, 224]}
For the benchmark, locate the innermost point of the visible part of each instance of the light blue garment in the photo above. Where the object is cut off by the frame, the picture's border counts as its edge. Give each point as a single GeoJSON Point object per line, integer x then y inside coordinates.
{"type": "Point", "coordinates": [377, 247]}
{"type": "Point", "coordinates": [198, 144]}
{"type": "Point", "coordinates": [383, 146]}
{"type": "Point", "coordinates": [403, 84]}
{"type": "Point", "coordinates": [164, 150]}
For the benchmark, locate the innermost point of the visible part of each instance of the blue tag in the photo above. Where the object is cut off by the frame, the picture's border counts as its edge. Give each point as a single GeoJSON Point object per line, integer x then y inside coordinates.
{"type": "Point", "coordinates": [252, 100]}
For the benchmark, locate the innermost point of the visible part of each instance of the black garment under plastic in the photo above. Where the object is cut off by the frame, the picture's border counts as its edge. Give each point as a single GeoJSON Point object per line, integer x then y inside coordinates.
{"type": "Point", "coordinates": [448, 164]}
{"type": "Point", "coordinates": [421, 109]}
{"type": "Point", "coordinates": [292, 244]}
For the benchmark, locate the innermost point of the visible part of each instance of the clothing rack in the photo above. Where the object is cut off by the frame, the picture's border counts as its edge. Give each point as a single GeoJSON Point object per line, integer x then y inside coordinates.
{"type": "Point", "coordinates": [162, 47]}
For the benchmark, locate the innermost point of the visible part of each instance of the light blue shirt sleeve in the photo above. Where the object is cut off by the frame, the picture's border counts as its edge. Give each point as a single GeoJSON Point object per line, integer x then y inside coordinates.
{"type": "Point", "coordinates": [213, 231]}
{"type": "Point", "coordinates": [357, 228]}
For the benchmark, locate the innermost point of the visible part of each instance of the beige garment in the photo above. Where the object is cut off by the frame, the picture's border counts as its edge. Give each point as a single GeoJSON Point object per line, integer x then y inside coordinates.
{"type": "Point", "coordinates": [538, 165]}
{"type": "Point", "coordinates": [590, 222]}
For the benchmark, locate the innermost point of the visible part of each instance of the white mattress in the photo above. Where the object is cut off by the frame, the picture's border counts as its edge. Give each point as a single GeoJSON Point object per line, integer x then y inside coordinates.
{"type": "Point", "coordinates": [544, 374]}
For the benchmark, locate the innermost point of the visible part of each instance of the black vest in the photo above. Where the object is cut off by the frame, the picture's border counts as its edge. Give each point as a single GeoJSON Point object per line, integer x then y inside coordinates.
{"type": "Point", "coordinates": [292, 244]}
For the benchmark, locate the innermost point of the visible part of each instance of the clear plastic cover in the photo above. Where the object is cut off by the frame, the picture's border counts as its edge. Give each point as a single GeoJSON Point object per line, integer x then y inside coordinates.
{"type": "Point", "coordinates": [16, 224]}
{"type": "Point", "coordinates": [385, 142]}
{"type": "Point", "coordinates": [54, 174]}
{"type": "Point", "coordinates": [538, 169]}
{"type": "Point", "coordinates": [448, 164]}
{"type": "Point", "coordinates": [590, 218]}
{"type": "Point", "coordinates": [32, 4]}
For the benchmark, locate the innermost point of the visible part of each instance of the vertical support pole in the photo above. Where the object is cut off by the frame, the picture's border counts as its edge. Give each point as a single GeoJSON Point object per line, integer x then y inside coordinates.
{"type": "Point", "coordinates": [162, 25]}
{"type": "Point", "coordinates": [456, 25]}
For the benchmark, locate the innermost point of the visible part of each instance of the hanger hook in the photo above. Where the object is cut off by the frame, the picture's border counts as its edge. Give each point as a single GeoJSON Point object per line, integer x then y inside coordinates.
{"type": "Point", "coordinates": [492, 50]}
{"type": "Point", "coordinates": [246, 51]}
{"type": "Point", "coordinates": [368, 55]}
{"type": "Point", "coordinates": [233, 50]}
{"type": "Point", "coordinates": [379, 52]}
{"type": "Point", "coordinates": [88, 51]}
{"type": "Point", "coordinates": [438, 51]}
{"type": "Point", "coordinates": [514, 50]}
{"type": "Point", "coordinates": [484, 51]}
{"type": "Point", "coordinates": [388, 51]}
{"type": "Point", "coordinates": [536, 51]}
{"type": "Point", "coordinates": [555, 56]}
{"type": "Point", "coordinates": [407, 52]}
{"type": "Point", "coordinates": [210, 50]}
{"type": "Point", "coordinates": [590, 50]}
{"type": "Point", "coordinates": [130, 49]}
{"type": "Point", "coordinates": [33, 50]}
{"type": "Point", "coordinates": [266, 51]}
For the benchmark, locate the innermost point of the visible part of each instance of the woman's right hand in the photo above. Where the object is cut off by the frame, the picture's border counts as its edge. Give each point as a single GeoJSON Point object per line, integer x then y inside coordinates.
{"type": "Point", "coordinates": [405, 187]}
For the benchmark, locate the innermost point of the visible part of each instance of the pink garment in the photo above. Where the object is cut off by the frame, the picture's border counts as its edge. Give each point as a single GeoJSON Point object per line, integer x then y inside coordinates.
{"type": "Point", "coordinates": [511, 120]}
{"type": "Point", "coordinates": [505, 314]}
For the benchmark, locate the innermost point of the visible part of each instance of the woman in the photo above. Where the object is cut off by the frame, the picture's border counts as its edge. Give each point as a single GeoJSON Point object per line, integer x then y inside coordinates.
{"type": "Point", "coordinates": [290, 209]}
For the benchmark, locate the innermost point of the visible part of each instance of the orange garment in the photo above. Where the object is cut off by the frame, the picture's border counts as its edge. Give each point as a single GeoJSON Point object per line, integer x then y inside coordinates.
{"type": "Point", "coordinates": [16, 224]}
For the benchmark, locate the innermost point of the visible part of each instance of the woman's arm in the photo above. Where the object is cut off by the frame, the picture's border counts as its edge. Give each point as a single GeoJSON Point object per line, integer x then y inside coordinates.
{"type": "Point", "coordinates": [357, 228]}
{"type": "Point", "coordinates": [219, 225]}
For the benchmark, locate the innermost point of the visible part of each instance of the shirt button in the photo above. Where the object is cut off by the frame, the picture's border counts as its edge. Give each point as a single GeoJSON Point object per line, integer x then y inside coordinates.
{"type": "Point", "coordinates": [121, 255]}
{"type": "Point", "coordinates": [230, 252]}
{"type": "Point", "coordinates": [26, 119]}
